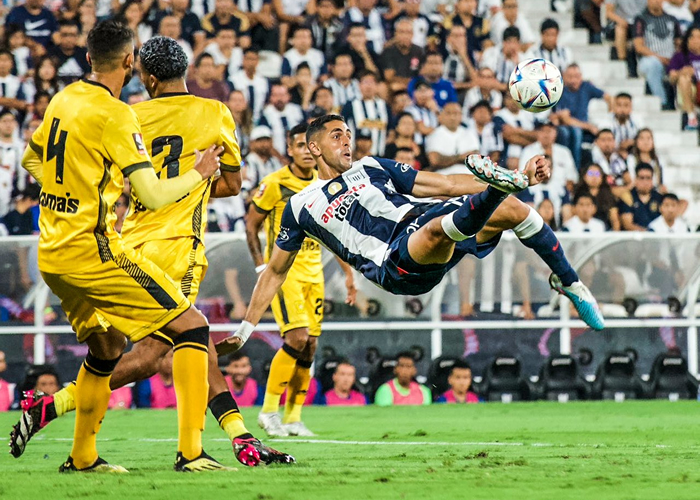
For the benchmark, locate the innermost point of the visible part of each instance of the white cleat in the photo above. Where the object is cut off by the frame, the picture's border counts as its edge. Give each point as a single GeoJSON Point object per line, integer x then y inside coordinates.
{"type": "Point", "coordinates": [298, 429]}
{"type": "Point", "coordinates": [272, 424]}
{"type": "Point", "coordinates": [503, 179]}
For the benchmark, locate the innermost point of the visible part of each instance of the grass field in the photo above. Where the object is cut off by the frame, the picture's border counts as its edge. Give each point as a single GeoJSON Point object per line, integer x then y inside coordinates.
{"type": "Point", "coordinates": [633, 450]}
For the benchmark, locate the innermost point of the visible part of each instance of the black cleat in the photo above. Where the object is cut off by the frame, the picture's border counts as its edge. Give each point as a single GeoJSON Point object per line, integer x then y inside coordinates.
{"type": "Point", "coordinates": [252, 452]}
{"type": "Point", "coordinates": [202, 463]}
{"type": "Point", "coordinates": [100, 466]}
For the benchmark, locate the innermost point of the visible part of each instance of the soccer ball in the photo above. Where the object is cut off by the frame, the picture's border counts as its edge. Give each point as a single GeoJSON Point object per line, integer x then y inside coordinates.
{"type": "Point", "coordinates": [536, 85]}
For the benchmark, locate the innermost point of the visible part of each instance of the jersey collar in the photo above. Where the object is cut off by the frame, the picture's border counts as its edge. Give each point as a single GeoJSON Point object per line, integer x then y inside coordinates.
{"type": "Point", "coordinates": [172, 94]}
{"type": "Point", "coordinates": [98, 84]}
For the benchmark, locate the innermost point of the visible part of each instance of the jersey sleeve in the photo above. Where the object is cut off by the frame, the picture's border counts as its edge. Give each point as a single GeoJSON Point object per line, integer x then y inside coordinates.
{"type": "Point", "coordinates": [231, 157]}
{"type": "Point", "coordinates": [123, 142]}
{"type": "Point", "coordinates": [291, 235]}
{"type": "Point", "coordinates": [267, 195]}
{"type": "Point", "coordinates": [38, 140]}
{"type": "Point", "coordinates": [402, 175]}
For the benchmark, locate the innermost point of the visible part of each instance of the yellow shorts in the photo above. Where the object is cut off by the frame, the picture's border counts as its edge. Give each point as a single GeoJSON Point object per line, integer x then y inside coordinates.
{"type": "Point", "coordinates": [130, 293]}
{"type": "Point", "coordinates": [299, 305]}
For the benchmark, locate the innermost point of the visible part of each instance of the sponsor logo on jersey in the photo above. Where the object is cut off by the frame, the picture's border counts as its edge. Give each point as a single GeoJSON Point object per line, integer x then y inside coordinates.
{"type": "Point", "coordinates": [334, 188]}
{"type": "Point", "coordinates": [140, 147]}
{"type": "Point", "coordinates": [340, 207]}
{"type": "Point", "coordinates": [404, 167]}
{"type": "Point", "coordinates": [283, 234]}
{"type": "Point", "coordinates": [61, 204]}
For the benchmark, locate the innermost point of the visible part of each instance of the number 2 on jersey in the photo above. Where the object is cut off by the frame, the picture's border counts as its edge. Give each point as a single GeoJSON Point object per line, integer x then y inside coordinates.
{"type": "Point", "coordinates": [57, 149]}
{"type": "Point", "coordinates": [171, 163]}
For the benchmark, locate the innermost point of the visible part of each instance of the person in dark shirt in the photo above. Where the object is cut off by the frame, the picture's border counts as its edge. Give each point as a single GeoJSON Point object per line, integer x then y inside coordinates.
{"type": "Point", "coordinates": [20, 221]}
{"type": "Point", "coordinates": [191, 27]}
{"type": "Point", "coordinates": [69, 58]}
{"type": "Point", "coordinates": [206, 82]}
{"type": "Point", "coordinates": [401, 58]}
{"type": "Point", "coordinates": [478, 28]}
{"type": "Point", "coordinates": [431, 72]}
{"type": "Point", "coordinates": [646, 201]}
{"type": "Point", "coordinates": [38, 21]}
{"type": "Point", "coordinates": [363, 56]}
{"type": "Point", "coordinates": [225, 14]}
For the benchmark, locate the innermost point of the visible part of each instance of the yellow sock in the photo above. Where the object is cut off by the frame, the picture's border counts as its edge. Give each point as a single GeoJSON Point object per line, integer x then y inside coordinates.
{"type": "Point", "coordinates": [233, 425]}
{"type": "Point", "coordinates": [91, 401]}
{"type": "Point", "coordinates": [281, 371]}
{"type": "Point", "coordinates": [190, 367]}
{"type": "Point", "coordinates": [64, 400]}
{"type": "Point", "coordinates": [296, 393]}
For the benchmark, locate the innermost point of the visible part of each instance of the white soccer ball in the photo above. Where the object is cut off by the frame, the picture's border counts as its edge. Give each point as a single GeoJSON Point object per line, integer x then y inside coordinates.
{"type": "Point", "coordinates": [536, 85]}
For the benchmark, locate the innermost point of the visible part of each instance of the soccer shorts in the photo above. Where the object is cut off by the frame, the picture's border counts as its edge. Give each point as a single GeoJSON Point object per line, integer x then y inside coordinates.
{"type": "Point", "coordinates": [299, 304]}
{"type": "Point", "coordinates": [130, 293]}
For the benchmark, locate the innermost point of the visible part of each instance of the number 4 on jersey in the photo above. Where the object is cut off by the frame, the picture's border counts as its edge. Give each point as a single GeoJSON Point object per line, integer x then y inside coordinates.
{"type": "Point", "coordinates": [57, 149]}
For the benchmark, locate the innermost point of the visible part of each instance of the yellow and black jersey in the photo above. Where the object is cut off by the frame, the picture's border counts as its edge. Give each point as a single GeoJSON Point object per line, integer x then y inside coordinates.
{"type": "Point", "coordinates": [271, 198]}
{"type": "Point", "coordinates": [88, 142]}
{"type": "Point", "coordinates": [174, 126]}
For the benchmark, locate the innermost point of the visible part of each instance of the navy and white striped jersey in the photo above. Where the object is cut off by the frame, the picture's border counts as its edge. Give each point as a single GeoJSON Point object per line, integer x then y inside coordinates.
{"type": "Point", "coordinates": [255, 90]}
{"type": "Point", "coordinates": [561, 56]}
{"type": "Point", "coordinates": [281, 122]}
{"type": "Point", "coordinates": [355, 215]}
{"type": "Point", "coordinates": [343, 93]}
{"type": "Point", "coordinates": [314, 58]}
{"type": "Point", "coordinates": [370, 116]}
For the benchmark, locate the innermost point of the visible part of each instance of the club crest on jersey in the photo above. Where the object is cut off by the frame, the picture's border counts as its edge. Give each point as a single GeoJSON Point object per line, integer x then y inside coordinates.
{"type": "Point", "coordinates": [261, 190]}
{"type": "Point", "coordinates": [334, 188]}
{"type": "Point", "coordinates": [283, 234]}
{"type": "Point", "coordinates": [140, 147]}
{"type": "Point", "coordinates": [339, 207]}
{"type": "Point", "coordinates": [404, 167]}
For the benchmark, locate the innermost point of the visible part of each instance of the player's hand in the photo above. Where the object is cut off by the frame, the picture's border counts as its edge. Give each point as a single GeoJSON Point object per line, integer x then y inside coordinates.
{"type": "Point", "coordinates": [352, 291]}
{"type": "Point", "coordinates": [228, 346]}
{"type": "Point", "coordinates": [207, 163]}
{"type": "Point", "coordinates": [537, 170]}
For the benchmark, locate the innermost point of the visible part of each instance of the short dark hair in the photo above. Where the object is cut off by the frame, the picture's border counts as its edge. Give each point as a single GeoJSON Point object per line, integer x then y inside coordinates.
{"type": "Point", "coordinates": [319, 124]}
{"type": "Point", "coordinates": [302, 65]}
{"type": "Point", "coordinates": [511, 32]}
{"type": "Point", "coordinates": [41, 94]}
{"type": "Point", "coordinates": [670, 196]}
{"type": "Point", "coordinates": [302, 27]}
{"type": "Point", "coordinates": [68, 22]}
{"type": "Point", "coordinates": [406, 355]}
{"type": "Point", "coordinates": [604, 131]}
{"type": "Point", "coordinates": [198, 60]}
{"type": "Point", "coordinates": [356, 25]}
{"type": "Point", "coordinates": [460, 364]}
{"type": "Point", "coordinates": [547, 24]}
{"type": "Point", "coordinates": [623, 95]}
{"type": "Point", "coordinates": [162, 57]}
{"type": "Point", "coordinates": [481, 104]}
{"type": "Point", "coordinates": [318, 89]}
{"type": "Point", "coordinates": [643, 166]}
{"type": "Point", "coordinates": [7, 53]}
{"type": "Point", "coordinates": [402, 150]}
{"type": "Point", "coordinates": [580, 196]}
{"type": "Point", "coordinates": [344, 361]}
{"type": "Point", "coordinates": [237, 356]}
{"type": "Point", "coordinates": [300, 128]}
{"type": "Point", "coordinates": [106, 42]}
{"type": "Point", "coordinates": [251, 49]}
{"type": "Point", "coordinates": [7, 111]}
{"type": "Point", "coordinates": [341, 54]}
{"type": "Point", "coordinates": [366, 72]}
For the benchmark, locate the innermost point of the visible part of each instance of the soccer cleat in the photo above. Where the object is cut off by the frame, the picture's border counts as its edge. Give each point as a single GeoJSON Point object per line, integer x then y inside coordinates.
{"type": "Point", "coordinates": [272, 424]}
{"type": "Point", "coordinates": [251, 452]}
{"type": "Point", "coordinates": [200, 464]}
{"type": "Point", "coordinates": [583, 301]}
{"type": "Point", "coordinates": [503, 179]}
{"type": "Point", "coordinates": [100, 466]}
{"type": "Point", "coordinates": [37, 411]}
{"type": "Point", "coordinates": [298, 429]}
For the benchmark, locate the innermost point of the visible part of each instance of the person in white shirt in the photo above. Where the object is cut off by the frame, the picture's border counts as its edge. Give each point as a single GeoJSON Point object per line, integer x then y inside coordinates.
{"type": "Point", "coordinates": [170, 26]}
{"type": "Point", "coordinates": [669, 222]}
{"type": "Point", "coordinates": [281, 116]}
{"type": "Point", "coordinates": [604, 153]}
{"type": "Point", "coordinates": [254, 86]}
{"type": "Point", "coordinates": [260, 162]}
{"type": "Point", "coordinates": [564, 172]}
{"type": "Point", "coordinates": [486, 89]}
{"type": "Point", "coordinates": [549, 47]}
{"type": "Point", "coordinates": [504, 57]}
{"type": "Point", "coordinates": [518, 130]}
{"type": "Point", "coordinates": [302, 51]}
{"type": "Point", "coordinates": [344, 87]}
{"type": "Point", "coordinates": [11, 150]}
{"type": "Point", "coordinates": [510, 16]}
{"type": "Point", "coordinates": [669, 259]}
{"type": "Point", "coordinates": [227, 57]}
{"type": "Point", "coordinates": [458, 67]}
{"type": "Point", "coordinates": [680, 9]}
{"type": "Point", "coordinates": [490, 139]}
{"type": "Point", "coordinates": [622, 122]}
{"type": "Point", "coordinates": [450, 143]}
{"type": "Point", "coordinates": [366, 13]}
{"type": "Point", "coordinates": [583, 220]}
{"type": "Point", "coordinates": [488, 8]}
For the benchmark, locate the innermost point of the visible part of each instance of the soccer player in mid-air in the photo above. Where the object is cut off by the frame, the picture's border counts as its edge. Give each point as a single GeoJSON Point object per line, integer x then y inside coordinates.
{"type": "Point", "coordinates": [381, 217]}
{"type": "Point", "coordinates": [174, 124]}
{"type": "Point", "coordinates": [88, 142]}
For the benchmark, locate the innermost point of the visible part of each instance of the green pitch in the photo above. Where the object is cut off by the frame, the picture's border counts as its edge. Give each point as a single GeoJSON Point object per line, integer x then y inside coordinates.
{"type": "Point", "coordinates": [540, 451]}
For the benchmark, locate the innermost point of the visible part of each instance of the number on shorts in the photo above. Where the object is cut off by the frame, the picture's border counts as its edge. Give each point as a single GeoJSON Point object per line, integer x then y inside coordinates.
{"type": "Point", "coordinates": [319, 307]}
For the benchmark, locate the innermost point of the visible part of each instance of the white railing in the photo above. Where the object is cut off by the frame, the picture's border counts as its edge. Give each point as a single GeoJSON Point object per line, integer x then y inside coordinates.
{"type": "Point", "coordinates": [584, 250]}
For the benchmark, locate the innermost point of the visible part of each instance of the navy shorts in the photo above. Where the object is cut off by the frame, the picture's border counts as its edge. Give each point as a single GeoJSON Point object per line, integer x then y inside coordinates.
{"type": "Point", "coordinates": [401, 275]}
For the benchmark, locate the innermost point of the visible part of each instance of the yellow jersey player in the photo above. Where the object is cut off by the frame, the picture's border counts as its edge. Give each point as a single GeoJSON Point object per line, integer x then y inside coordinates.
{"type": "Point", "coordinates": [88, 142]}
{"type": "Point", "coordinates": [175, 124]}
{"type": "Point", "coordinates": [298, 307]}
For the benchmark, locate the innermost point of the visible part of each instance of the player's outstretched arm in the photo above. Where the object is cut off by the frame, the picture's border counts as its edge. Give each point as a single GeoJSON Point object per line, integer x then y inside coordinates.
{"type": "Point", "coordinates": [32, 162]}
{"type": "Point", "coordinates": [434, 185]}
{"type": "Point", "coordinates": [155, 193]}
{"type": "Point", "coordinates": [349, 281]}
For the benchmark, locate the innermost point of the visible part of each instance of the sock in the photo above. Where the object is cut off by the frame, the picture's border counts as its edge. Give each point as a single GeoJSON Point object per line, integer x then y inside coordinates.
{"type": "Point", "coordinates": [296, 393]}
{"type": "Point", "coordinates": [471, 217]}
{"type": "Point", "coordinates": [64, 400]}
{"type": "Point", "coordinates": [225, 410]}
{"type": "Point", "coordinates": [281, 371]}
{"type": "Point", "coordinates": [535, 234]}
{"type": "Point", "coordinates": [91, 401]}
{"type": "Point", "coordinates": [190, 369]}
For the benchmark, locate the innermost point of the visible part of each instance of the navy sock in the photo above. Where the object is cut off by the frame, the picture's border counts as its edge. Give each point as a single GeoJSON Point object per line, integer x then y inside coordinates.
{"type": "Point", "coordinates": [471, 217]}
{"type": "Point", "coordinates": [547, 246]}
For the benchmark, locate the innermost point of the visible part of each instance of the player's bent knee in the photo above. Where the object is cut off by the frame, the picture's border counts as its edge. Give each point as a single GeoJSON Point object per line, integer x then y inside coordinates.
{"type": "Point", "coordinates": [107, 345]}
{"type": "Point", "coordinates": [190, 319]}
{"type": "Point", "coordinates": [297, 338]}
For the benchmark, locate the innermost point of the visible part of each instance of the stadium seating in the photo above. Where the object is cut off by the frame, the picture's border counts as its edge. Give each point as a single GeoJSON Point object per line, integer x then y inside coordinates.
{"type": "Point", "coordinates": [439, 372]}
{"type": "Point", "coordinates": [617, 379]}
{"type": "Point", "coordinates": [560, 380]}
{"type": "Point", "coordinates": [669, 379]}
{"type": "Point", "coordinates": [504, 381]}
{"type": "Point", "coordinates": [380, 374]}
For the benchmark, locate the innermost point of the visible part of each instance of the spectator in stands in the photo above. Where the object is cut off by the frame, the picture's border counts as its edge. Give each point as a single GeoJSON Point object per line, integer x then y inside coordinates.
{"type": "Point", "coordinates": [644, 151]}
{"type": "Point", "coordinates": [45, 80]}
{"type": "Point", "coordinates": [425, 110]}
{"type": "Point", "coordinates": [16, 42]}
{"type": "Point", "coordinates": [130, 13]}
{"type": "Point", "coordinates": [431, 72]}
{"type": "Point", "coordinates": [227, 57]}
{"type": "Point", "coordinates": [281, 116]}
{"type": "Point", "coordinates": [517, 128]}
{"type": "Point", "coordinates": [459, 69]}
{"type": "Point", "coordinates": [684, 73]}
{"type": "Point", "coordinates": [368, 114]}
{"type": "Point", "coordinates": [244, 388]}
{"type": "Point", "coordinates": [363, 55]}
{"type": "Point", "coordinates": [121, 207]}
{"type": "Point", "coordinates": [12, 176]}
{"type": "Point", "coordinates": [190, 24]}
{"type": "Point", "coordinates": [572, 110]}
{"type": "Point", "coordinates": [365, 12]}
{"type": "Point", "coordinates": [42, 378]}
{"type": "Point", "coordinates": [669, 221]}
{"type": "Point", "coordinates": [345, 88]}
{"type": "Point", "coordinates": [158, 392]}
{"type": "Point", "coordinates": [407, 156]}
{"type": "Point", "coordinates": [423, 28]}
{"type": "Point", "coordinates": [460, 381]}
{"type": "Point", "coordinates": [290, 14]}
{"type": "Point", "coordinates": [621, 122]}
{"type": "Point", "coordinates": [478, 28]}
{"type": "Point", "coordinates": [400, 102]}
{"type": "Point", "coordinates": [226, 14]}
{"type": "Point", "coordinates": [302, 51]}
{"type": "Point", "coordinates": [646, 200]}
{"type": "Point", "coordinates": [242, 117]}
{"type": "Point", "coordinates": [325, 26]}
{"type": "Point", "coordinates": [363, 145]}
{"type": "Point", "coordinates": [20, 221]}
{"type": "Point", "coordinates": [260, 162]}
{"type": "Point", "coordinates": [623, 14]}
{"type": "Point", "coordinates": [486, 88]}
{"type": "Point", "coordinates": [264, 29]}
{"type": "Point", "coordinates": [207, 81]}
{"type": "Point", "coordinates": [403, 390]}
{"type": "Point", "coordinates": [450, 143]}
{"type": "Point", "coordinates": [39, 22]}
{"type": "Point", "coordinates": [87, 19]}
{"type": "Point", "coordinates": [655, 37]}
{"type": "Point", "coordinates": [170, 26]}
{"type": "Point", "coordinates": [546, 211]}
{"type": "Point", "coordinates": [401, 58]}
{"type": "Point", "coordinates": [549, 47]}
{"type": "Point", "coordinates": [504, 57]}
{"type": "Point", "coordinates": [12, 95]}
{"type": "Point", "coordinates": [403, 136]}
{"type": "Point", "coordinates": [681, 11]}
{"type": "Point", "coordinates": [508, 17]}
{"type": "Point", "coordinates": [305, 85]}
{"type": "Point", "coordinates": [583, 220]}
{"type": "Point", "coordinates": [68, 56]}
{"type": "Point", "coordinates": [594, 183]}
{"type": "Point", "coordinates": [254, 87]}
{"type": "Point", "coordinates": [7, 390]}
{"type": "Point", "coordinates": [322, 100]}
{"type": "Point", "coordinates": [343, 392]}
{"type": "Point", "coordinates": [605, 154]}
{"type": "Point", "coordinates": [490, 138]}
